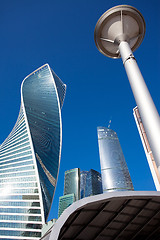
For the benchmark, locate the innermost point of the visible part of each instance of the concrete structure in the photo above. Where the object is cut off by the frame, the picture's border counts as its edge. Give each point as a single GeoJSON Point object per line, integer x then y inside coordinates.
{"type": "Point", "coordinates": [147, 148]}
{"type": "Point", "coordinates": [30, 157]}
{"type": "Point", "coordinates": [114, 170]}
{"type": "Point", "coordinates": [47, 226]}
{"type": "Point", "coordinates": [111, 216]}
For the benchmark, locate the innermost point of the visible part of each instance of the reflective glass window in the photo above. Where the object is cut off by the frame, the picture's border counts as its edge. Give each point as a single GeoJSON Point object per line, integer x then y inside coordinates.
{"type": "Point", "coordinates": [16, 203]}
{"type": "Point", "coordinates": [20, 225]}
{"type": "Point", "coordinates": [17, 162]}
{"type": "Point", "coordinates": [19, 233]}
{"type": "Point", "coordinates": [20, 210]}
{"type": "Point", "coordinates": [20, 217]}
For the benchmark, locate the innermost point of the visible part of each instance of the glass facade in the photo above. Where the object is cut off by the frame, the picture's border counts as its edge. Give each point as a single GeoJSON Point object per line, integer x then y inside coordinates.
{"type": "Point", "coordinates": [71, 189]}
{"type": "Point", "coordinates": [30, 157]}
{"type": "Point", "coordinates": [115, 173]}
{"type": "Point", "coordinates": [72, 182]}
{"type": "Point", "coordinates": [93, 184]}
{"type": "Point", "coordinates": [64, 202]}
{"type": "Point", "coordinates": [83, 175]}
{"type": "Point", "coordinates": [78, 185]}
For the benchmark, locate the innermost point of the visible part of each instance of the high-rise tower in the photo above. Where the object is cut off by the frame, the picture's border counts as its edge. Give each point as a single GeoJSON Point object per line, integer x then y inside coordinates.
{"type": "Point", "coordinates": [83, 176]}
{"type": "Point", "coordinates": [93, 184]}
{"type": "Point", "coordinates": [147, 148]}
{"type": "Point", "coordinates": [72, 182]}
{"type": "Point", "coordinates": [30, 157]}
{"type": "Point", "coordinates": [71, 189]}
{"type": "Point", "coordinates": [90, 183]}
{"type": "Point", "coordinates": [115, 174]}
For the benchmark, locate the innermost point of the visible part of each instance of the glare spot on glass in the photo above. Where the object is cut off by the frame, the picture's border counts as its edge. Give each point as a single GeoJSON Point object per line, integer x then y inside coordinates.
{"type": "Point", "coordinates": [5, 191]}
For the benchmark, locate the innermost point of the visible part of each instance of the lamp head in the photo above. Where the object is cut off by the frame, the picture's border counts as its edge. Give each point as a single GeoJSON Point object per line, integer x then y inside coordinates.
{"type": "Point", "coordinates": [120, 23]}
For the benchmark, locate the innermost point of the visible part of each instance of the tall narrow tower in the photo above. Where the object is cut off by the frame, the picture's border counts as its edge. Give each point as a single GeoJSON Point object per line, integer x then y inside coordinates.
{"type": "Point", "coordinates": [71, 189]}
{"type": "Point", "coordinates": [147, 148]}
{"type": "Point", "coordinates": [93, 183]}
{"type": "Point", "coordinates": [30, 157]}
{"type": "Point", "coordinates": [115, 174]}
{"type": "Point", "coordinates": [72, 182]}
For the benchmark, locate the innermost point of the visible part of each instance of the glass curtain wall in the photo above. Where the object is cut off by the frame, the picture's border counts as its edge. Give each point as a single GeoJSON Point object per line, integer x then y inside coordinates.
{"type": "Point", "coordinates": [30, 157]}
{"type": "Point", "coordinates": [115, 173]}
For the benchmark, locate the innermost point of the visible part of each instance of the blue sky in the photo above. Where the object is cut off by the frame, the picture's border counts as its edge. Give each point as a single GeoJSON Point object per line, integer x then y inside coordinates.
{"type": "Point", "coordinates": [61, 33]}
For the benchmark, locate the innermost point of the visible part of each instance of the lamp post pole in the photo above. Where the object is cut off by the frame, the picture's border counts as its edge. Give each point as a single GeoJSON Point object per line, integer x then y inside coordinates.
{"type": "Point", "coordinates": [147, 109]}
{"type": "Point", "coordinates": [118, 33]}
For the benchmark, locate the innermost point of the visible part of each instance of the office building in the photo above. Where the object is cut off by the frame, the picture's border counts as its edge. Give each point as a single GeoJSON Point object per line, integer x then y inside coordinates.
{"type": "Point", "coordinates": [93, 183]}
{"type": "Point", "coordinates": [78, 185]}
{"type": "Point", "coordinates": [65, 201]}
{"type": "Point", "coordinates": [72, 182]}
{"type": "Point", "coordinates": [90, 183]}
{"type": "Point", "coordinates": [71, 189]}
{"type": "Point", "coordinates": [114, 170]}
{"type": "Point", "coordinates": [83, 175]}
{"type": "Point", "coordinates": [30, 157]}
{"type": "Point", "coordinates": [147, 148]}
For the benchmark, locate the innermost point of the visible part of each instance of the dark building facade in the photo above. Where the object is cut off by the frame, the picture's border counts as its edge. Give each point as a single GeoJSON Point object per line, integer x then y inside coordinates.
{"type": "Point", "coordinates": [93, 183]}
{"type": "Point", "coordinates": [83, 176]}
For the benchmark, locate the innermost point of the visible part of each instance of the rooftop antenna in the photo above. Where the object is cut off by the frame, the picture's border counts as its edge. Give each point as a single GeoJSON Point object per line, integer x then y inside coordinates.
{"type": "Point", "coordinates": [109, 124]}
{"type": "Point", "coordinates": [118, 33]}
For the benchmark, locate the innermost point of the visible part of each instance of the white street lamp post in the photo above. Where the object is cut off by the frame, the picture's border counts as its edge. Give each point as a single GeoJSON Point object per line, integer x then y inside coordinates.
{"type": "Point", "coordinates": [118, 32]}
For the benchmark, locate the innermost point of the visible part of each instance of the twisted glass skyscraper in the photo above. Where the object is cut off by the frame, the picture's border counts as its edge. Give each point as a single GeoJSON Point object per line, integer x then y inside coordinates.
{"type": "Point", "coordinates": [30, 157]}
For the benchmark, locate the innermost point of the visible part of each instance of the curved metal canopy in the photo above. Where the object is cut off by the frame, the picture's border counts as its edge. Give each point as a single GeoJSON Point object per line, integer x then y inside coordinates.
{"type": "Point", "coordinates": [116, 215]}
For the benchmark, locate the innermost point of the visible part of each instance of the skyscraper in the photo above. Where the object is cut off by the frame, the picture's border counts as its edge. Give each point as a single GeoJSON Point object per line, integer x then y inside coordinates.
{"type": "Point", "coordinates": [83, 175]}
{"type": "Point", "coordinates": [71, 189]}
{"type": "Point", "coordinates": [93, 184]}
{"type": "Point", "coordinates": [72, 182]}
{"type": "Point", "coordinates": [64, 202]}
{"type": "Point", "coordinates": [78, 185]}
{"type": "Point", "coordinates": [115, 174]}
{"type": "Point", "coordinates": [147, 148]}
{"type": "Point", "coordinates": [30, 157]}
